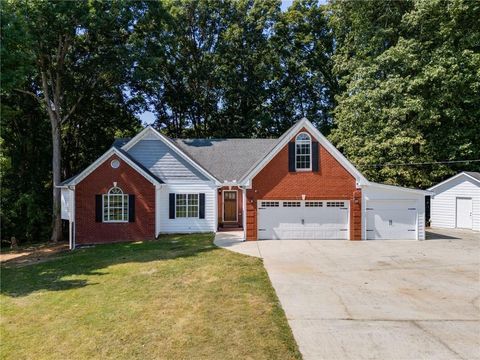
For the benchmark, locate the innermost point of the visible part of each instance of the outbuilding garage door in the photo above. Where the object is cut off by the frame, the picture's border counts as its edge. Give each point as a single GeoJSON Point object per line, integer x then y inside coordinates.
{"type": "Point", "coordinates": [391, 220]}
{"type": "Point", "coordinates": [286, 219]}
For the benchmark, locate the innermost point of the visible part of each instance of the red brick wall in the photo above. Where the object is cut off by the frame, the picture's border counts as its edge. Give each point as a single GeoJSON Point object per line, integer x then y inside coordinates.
{"type": "Point", "coordinates": [99, 182]}
{"type": "Point", "coordinates": [332, 182]}
{"type": "Point", "coordinates": [239, 204]}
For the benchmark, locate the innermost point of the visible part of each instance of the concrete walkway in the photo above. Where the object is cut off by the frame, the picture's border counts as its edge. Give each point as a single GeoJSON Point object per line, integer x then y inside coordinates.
{"type": "Point", "coordinates": [233, 241]}
{"type": "Point", "coordinates": [377, 299]}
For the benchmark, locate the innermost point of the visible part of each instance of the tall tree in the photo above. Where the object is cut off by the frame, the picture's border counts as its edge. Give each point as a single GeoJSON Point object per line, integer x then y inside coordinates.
{"type": "Point", "coordinates": [409, 73]}
{"type": "Point", "coordinates": [25, 170]}
{"type": "Point", "coordinates": [68, 48]}
{"type": "Point", "coordinates": [205, 65]}
{"type": "Point", "coordinates": [175, 42]}
{"type": "Point", "coordinates": [304, 84]}
{"type": "Point", "coordinates": [245, 67]}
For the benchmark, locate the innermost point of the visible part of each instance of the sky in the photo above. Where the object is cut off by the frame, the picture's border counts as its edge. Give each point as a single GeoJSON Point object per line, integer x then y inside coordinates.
{"type": "Point", "coordinates": [148, 117]}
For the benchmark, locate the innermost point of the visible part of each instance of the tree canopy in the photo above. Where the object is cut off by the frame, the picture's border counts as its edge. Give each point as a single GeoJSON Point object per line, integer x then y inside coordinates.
{"type": "Point", "coordinates": [409, 73]}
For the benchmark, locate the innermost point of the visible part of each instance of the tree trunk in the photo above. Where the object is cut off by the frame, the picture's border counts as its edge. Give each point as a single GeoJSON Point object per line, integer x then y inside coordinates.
{"type": "Point", "coordinates": [56, 173]}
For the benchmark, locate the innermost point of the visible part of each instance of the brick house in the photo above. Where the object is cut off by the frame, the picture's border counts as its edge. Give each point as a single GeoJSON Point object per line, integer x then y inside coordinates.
{"type": "Point", "coordinates": [298, 186]}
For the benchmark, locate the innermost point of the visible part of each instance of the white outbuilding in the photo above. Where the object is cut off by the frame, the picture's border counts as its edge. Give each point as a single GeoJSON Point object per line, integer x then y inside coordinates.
{"type": "Point", "coordinates": [456, 203]}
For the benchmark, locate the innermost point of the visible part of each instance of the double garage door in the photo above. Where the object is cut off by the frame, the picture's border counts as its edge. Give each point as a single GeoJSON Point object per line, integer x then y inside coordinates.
{"type": "Point", "coordinates": [287, 219]}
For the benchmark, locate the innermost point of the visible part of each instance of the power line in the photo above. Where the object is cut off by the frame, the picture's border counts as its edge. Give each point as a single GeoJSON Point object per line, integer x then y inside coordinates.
{"type": "Point", "coordinates": [422, 163]}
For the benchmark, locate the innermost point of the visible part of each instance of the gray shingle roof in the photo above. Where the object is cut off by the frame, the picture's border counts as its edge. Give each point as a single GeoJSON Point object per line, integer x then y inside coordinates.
{"type": "Point", "coordinates": [118, 144]}
{"type": "Point", "coordinates": [226, 159]}
{"type": "Point", "coordinates": [69, 180]}
{"type": "Point", "coordinates": [473, 174]}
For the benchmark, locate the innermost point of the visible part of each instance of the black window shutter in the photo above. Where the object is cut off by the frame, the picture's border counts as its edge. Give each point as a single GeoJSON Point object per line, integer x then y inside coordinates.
{"type": "Point", "coordinates": [315, 157]}
{"type": "Point", "coordinates": [291, 157]}
{"type": "Point", "coordinates": [171, 206]}
{"type": "Point", "coordinates": [98, 208]}
{"type": "Point", "coordinates": [131, 208]}
{"type": "Point", "coordinates": [201, 209]}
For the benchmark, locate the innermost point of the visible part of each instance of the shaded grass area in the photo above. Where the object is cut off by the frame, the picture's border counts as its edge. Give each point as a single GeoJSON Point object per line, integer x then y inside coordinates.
{"type": "Point", "coordinates": [177, 298]}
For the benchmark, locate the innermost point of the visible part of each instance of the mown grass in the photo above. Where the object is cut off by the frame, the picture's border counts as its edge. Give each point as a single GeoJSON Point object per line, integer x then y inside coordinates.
{"type": "Point", "coordinates": [176, 298]}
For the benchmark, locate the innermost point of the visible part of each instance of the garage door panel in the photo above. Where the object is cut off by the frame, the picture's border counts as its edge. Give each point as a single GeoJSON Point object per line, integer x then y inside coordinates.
{"type": "Point", "coordinates": [391, 220]}
{"type": "Point", "coordinates": [310, 220]}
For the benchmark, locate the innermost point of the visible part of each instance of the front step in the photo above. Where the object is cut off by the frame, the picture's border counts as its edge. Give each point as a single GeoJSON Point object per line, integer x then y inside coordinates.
{"type": "Point", "coordinates": [228, 226]}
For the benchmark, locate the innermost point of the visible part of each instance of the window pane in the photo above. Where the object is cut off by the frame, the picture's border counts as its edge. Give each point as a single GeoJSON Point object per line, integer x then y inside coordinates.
{"type": "Point", "coordinates": [192, 199]}
{"type": "Point", "coordinates": [115, 205]}
{"type": "Point", "coordinates": [303, 137]}
{"type": "Point", "coordinates": [115, 190]}
{"type": "Point", "coordinates": [181, 199]}
{"type": "Point", "coordinates": [193, 211]}
{"type": "Point", "coordinates": [181, 211]}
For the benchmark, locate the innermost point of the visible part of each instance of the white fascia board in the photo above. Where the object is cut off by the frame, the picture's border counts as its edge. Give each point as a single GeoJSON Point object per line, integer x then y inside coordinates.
{"type": "Point", "coordinates": [304, 123]}
{"type": "Point", "coordinates": [171, 145]}
{"type": "Point", "coordinates": [400, 188]}
{"type": "Point", "coordinates": [453, 178]}
{"type": "Point", "coordinates": [103, 158]}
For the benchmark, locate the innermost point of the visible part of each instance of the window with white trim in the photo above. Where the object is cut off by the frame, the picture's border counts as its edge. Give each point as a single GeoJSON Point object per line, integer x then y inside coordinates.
{"type": "Point", "coordinates": [291, 204]}
{"type": "Point", "coordinates": [186, 205]}
{"type": "Point", "coordinates": [115, 205]}
{"type": "Point", "coordinates": [269, 204]}
{"type": "Point", "coordinates": [335, 203]}
{"type": "Point", "coordinates": [303, 152]}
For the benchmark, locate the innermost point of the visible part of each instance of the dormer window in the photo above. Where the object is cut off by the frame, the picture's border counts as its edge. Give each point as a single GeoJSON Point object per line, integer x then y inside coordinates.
{"type": "Point", "coordinates": [303, 152]}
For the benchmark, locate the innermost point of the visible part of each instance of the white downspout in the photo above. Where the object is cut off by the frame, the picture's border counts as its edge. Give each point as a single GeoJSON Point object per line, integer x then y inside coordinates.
{"type": "Point", "coordinates": [244, 212]}
{"type": "Point", "coordinates": [216, 207]}
{"type": "Point", "coordinates": [71, 223]}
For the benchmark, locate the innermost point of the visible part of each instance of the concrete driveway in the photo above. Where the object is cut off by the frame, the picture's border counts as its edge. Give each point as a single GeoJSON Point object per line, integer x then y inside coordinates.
{"type": "Point", "coordinates": [378, 299]}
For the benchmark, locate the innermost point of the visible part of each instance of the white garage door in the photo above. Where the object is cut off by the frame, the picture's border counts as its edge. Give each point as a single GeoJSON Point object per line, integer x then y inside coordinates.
{"type": "Point", "coordinates": [391, 220]}
{"type": "Point", "coordinates": [286, 219]}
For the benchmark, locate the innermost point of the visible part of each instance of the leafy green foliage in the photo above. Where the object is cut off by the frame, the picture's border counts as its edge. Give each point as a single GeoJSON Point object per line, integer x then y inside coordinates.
{"type": "Point", "coordinates": [304, 84]}
{"type": "Point", "coordinates": [410, 80]}
{"type": "Point", "coordinates": [25, 169]}
{"type": "Point", "coordinates": [233, 68]}
{"type": "Point", "coordinates": [72, 59]}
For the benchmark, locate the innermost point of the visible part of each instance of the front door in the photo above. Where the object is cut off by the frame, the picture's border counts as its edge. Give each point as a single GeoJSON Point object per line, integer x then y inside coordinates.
{"type": "Point", "coordinates": [464, 213]}
{"type": "Point", "coordinates": [229, 206]}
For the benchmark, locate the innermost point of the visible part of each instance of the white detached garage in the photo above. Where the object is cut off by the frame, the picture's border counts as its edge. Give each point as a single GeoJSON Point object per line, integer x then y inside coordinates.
{"type": "Point", "coordinates": [393, 213]}
{"type": "Point", "coordinates": [456, 203]}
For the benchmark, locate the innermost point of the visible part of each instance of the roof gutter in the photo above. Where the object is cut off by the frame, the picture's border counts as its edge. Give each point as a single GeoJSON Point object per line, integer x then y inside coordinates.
{"type": "Point", "coordinates": [399, 188]}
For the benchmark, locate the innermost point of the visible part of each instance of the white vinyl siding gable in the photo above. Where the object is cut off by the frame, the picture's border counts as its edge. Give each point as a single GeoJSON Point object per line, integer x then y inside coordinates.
{"type": "Point", "coordinates": [443, 206]}
{"type": "Point", "coordinates": [164, 162]}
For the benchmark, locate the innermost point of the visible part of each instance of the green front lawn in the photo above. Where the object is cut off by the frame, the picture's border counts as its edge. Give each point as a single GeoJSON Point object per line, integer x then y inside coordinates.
{"type": "Point", "coordinates": [177, 298]}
